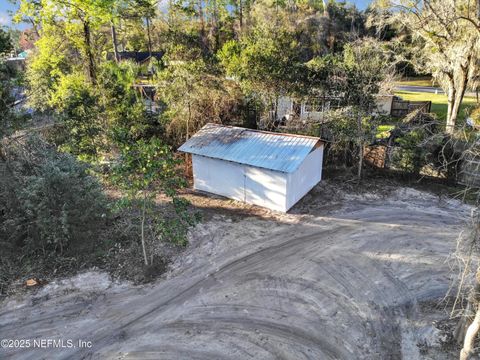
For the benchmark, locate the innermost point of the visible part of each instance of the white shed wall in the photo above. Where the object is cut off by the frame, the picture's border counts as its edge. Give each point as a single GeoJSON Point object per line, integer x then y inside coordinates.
{"type": "Point", "coordinates": [271, 189]}
{"type": "Point", "coordinates": [219, 177]}
{"type": "Point", "coordinates": [309, 174]}
{"type": "Point", "coordinates": [266, 188]}
{"type": "Point", "coordinates": [252, 185]}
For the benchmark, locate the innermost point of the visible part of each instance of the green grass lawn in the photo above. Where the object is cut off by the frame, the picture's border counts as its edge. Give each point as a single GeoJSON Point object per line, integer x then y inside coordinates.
{"type": "Point", "coordinates": [416, 81]}
{"type": "Point", "coordinates": [439, 103]}
{"type": "Point", "coordinates": [383, 131]}
{"type": "Point", "coordinates": [439, 107]}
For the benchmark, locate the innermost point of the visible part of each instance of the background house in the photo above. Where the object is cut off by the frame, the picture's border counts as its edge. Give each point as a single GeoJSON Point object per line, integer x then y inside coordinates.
{"type": "Point", "coordinates": [288, 108]}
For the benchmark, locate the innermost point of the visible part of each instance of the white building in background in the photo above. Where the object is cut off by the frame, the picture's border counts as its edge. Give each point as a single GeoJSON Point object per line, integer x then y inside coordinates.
{"type": "Point", "coordinates": [288, 108]}
{"type": "Point", "coordinates": [268, 169]}
{"type": "Point", "coordinates": [384, 104]}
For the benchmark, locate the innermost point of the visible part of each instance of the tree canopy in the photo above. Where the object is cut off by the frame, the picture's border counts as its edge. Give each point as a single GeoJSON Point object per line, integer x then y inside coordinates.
{"type": "Point", "coordinates": [442, 40]}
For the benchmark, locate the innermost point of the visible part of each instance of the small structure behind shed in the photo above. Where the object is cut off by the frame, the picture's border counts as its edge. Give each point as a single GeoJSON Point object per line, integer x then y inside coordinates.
{"type": "Point", "coordinates": [269, 169]}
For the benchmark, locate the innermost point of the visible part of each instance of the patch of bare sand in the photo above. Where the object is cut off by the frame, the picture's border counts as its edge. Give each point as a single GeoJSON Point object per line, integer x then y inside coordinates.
{"type": "Point", "coordinates": [343, 276]}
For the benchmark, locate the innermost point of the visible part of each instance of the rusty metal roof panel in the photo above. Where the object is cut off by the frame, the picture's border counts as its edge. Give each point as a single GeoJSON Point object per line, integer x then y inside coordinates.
{"type": "Point", "coordinates": [274, 151]}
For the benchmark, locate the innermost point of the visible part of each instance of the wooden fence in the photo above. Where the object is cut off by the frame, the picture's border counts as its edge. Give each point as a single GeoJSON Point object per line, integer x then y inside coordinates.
{"type": "Point", "coordinates": [401, 108]}
{"type": "Point", "coordinates": [468, 174]}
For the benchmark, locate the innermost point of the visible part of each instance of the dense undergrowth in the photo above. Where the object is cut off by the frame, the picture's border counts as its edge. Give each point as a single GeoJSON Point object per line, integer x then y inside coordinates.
{"type": "Point", "coordinates": [56, 219]}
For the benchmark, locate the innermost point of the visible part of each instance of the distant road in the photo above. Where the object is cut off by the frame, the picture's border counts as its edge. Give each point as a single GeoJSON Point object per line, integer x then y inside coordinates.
{"type": "Point", "coordinates": [422, 89]}
{"type": "Point", "coordinates": [426, 89]}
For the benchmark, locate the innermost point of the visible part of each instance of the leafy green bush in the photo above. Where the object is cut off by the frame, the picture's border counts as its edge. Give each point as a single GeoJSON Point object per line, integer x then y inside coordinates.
{"type": "Point", "coordinates": [51, 205]}
{"type": "Point", "coordinates": [175, 228]}
{"type": "Point", "coordinates": [125, 117]}
{"type": "Point", "coordinates": [341, 128]}
{"type": "Point", "coordinates": [77, 106]}
{"type": "Point", "coordinates": [145, 169]}
{"type": "Point", "coordinates": [411, 155]}
{"type": "Point", "coordinates": [93, 120]}
{"type": "Point", "coordinates": [7, 79]}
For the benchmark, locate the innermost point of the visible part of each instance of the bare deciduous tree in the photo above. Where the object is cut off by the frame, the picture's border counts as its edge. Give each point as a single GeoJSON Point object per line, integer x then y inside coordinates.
{"type": "Point", "coordinates": [445, 42]}
{"type": "Point", "coordinates": [467, 285]}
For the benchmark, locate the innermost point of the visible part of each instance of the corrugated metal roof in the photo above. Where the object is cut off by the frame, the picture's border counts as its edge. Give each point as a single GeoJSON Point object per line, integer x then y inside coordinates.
{"type": "Point", "coordinates": [274, 151]}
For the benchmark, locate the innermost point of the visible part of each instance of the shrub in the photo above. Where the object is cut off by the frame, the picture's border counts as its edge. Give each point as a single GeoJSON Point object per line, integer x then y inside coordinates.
{"type": "Point", "coordinates": [144, 170]}
{"type": "Point", "coordinates": [411, 154]}
{"type": "Point", "coordinates": [341, 129]}
{"type": "Point", "coordinates": [124, 112]}
{"type": "Point", "coordinates": [52, 206]}
{"type": "Point", "coordinates": [77, 107]}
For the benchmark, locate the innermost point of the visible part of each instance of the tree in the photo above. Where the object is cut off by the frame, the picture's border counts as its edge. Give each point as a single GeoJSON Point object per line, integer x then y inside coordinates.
{"type": "Point", "coordinates": [124, 117]}
{"type": "Point", "coordinates": [144, 169]}
{"type": "Point", "coordinates": [76, 105]}
{"type": "Point", "coordinates": [270, 59]}
{"type": "Point", "coordinates": [133, 19]}
{"type": "Point", "coordinates": [7, 76]}
{"type": "Point", "coordinates": [268, 65]}
{"type": "Point", "coordinates": [353, 79]}
{"type": "Point", "coordinates": [76, 20]}
{"type": "Point", "coordinates": [468, 285]}
{"type": "Point", "coordinates": [467, 329]}
{"type": "Point", "coordinates": [91, 119]}
{"type": "Point", "coordinates": [443, 43]}
{"type": "Point", "coordinates": [366, 66]}
{"type": "Point", "coordinates": [50, 62]}
{"type": "Point", "coordinates": [341, 23]}
{"type": "Point", "coordinates": [195, 93]}
{"type": "Point", "coordinates": [5, 43]}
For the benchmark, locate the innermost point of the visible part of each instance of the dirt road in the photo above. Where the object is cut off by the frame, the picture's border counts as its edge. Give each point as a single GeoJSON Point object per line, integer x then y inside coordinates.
{"type": "Point", "coordinates": [344, 285]}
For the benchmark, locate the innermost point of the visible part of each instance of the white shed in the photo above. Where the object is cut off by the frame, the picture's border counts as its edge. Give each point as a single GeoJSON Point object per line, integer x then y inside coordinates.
{"type": "Point", "coordinates": [269, 169]}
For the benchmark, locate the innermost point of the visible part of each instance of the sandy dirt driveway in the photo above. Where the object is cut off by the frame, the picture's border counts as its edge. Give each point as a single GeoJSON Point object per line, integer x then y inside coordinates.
{"type": "Point", "coordinates": [342, 285]}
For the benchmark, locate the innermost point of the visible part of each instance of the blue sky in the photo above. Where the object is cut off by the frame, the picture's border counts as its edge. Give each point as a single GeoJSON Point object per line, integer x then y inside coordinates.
{"type": "Point", "coordinates": [6, 6]}
{"type": "Point", "coordinates": [361, 4]}
{"type": "Point", "coordinates": [5, 17]}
